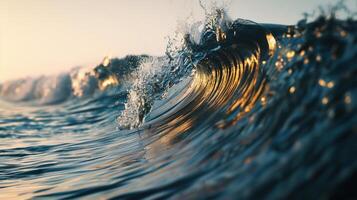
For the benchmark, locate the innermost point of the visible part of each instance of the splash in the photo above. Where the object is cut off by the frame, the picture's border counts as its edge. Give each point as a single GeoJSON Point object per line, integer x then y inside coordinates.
{"type": "Point", "coordinates": [147, 81]}
{"type": "Point", "coordinates": [157, 75]}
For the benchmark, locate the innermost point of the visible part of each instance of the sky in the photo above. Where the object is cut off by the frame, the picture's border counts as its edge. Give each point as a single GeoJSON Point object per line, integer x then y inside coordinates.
{"type": "Point", "coordinates": [52, 36]}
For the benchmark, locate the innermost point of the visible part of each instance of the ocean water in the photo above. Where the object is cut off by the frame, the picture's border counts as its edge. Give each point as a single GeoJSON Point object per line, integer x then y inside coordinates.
{"type": "Point", "coordinates": [234, 110]}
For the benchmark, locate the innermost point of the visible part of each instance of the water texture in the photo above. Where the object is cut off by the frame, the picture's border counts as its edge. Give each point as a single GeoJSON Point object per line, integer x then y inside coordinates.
{"type": "Point", "coordinates": [235, 110]}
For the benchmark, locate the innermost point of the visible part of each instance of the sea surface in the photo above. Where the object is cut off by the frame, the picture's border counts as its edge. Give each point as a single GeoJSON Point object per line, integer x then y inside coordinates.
{"type": "Point", "coordinates": [234, 110]}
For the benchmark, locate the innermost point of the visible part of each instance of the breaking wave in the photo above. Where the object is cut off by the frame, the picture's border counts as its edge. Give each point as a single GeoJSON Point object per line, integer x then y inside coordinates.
{"type": "Point", "coordinates": [234, 109]}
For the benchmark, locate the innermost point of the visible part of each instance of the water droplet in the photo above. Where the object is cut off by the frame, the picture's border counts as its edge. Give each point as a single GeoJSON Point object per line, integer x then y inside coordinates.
{"type": "Point", "coordinates": [348, 99]}
{"type": "Point", "coordinates": [343, 33]}
{"type": "Point", "coordinates": [324, 100]}
{"type": "Point", "coordinates": [318, 58]}
{"type": "Point", "coordinates": [290, 71]}
{"type": "Point", "coordinates": [290, 54]}
{"type": "Point", "coordinates": [330, 84]}
{"type": "Point", "coordinates": [279, 65]}
{"type": "Point", "coordinates": [302, 53]}
{"type": "Point", "coordinates": [246, 109]}
{"type": "Point", "coordinates": [263, 100]}
{"type": "Point", "coordinates": [318, 34]}
{"type": "Point", "coordinates": [322, 83]}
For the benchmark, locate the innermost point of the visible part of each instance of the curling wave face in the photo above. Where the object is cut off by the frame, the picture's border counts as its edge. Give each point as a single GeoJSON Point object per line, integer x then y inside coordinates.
{"type": "Point", "coordinates": [246, 111]}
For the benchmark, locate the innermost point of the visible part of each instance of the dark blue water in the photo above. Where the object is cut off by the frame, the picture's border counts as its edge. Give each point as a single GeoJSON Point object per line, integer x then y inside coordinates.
{"type": "Point", "coordinates": [249, 111]}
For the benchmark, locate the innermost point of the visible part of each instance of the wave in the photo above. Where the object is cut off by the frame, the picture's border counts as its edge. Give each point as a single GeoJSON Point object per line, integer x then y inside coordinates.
{"type": "Point", "coordinates": [79, 82]}
{"type": "Point", "coordinates": [234, 109]}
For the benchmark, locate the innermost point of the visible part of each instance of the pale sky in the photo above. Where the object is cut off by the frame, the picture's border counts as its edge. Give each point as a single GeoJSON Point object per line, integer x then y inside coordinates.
{"type": "Point", "coordinates": [51, 36]}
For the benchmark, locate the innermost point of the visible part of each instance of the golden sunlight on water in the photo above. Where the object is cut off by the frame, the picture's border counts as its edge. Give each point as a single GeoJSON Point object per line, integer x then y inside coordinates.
{"type": "Point", "coordinates": [110, 81]}
{"type": "Point", "coordinates": [106, 61]}
{"type": "Point", "coordinates": [20, 190]}
{"type": "Point", "coordinates": [224, 80]}
{"type": "Point", "coordinates": [272, 43]}
{"type": "Point", "coordinates": [220, 34]}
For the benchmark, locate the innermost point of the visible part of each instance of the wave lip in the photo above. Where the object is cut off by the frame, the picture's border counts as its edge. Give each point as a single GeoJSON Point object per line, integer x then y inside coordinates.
{"type": "Point", "coordinates": [227, 83]}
